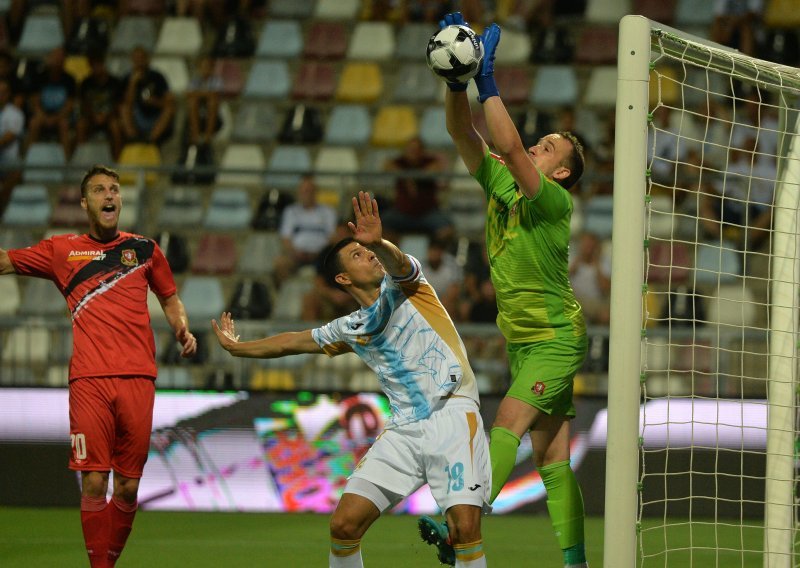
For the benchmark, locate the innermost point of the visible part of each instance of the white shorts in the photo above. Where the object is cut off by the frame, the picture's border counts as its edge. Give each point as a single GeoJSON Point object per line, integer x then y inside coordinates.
{"type": "Point", "coordinates": [447, 450]}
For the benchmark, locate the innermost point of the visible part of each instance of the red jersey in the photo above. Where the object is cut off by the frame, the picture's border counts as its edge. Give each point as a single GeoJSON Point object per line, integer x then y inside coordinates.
{"type": "Point", "coordinates": [105, 285]}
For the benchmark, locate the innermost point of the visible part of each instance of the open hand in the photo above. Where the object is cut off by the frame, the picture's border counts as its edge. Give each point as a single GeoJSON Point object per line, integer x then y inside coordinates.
{"type": "Point", "coordinates": [225, 330]}
{"type": "Point", "coordinates": [367, 230]}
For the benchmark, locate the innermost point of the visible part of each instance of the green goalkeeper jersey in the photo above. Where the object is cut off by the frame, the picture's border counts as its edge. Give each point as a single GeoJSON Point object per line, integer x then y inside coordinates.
{"type": "Point", "coordinates": [528, 245]}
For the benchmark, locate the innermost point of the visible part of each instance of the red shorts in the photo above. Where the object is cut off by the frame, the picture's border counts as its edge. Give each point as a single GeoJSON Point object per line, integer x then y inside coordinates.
{"type": "Point", "coordinates": [110, 421]}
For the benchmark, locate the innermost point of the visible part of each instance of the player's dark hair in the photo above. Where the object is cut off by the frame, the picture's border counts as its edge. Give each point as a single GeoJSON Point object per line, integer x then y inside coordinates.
{"type": "Point", "coordinates": [575, 162]}
{"type": "Point", "coordinates": [332, 264]}
{"type": "Point", "coordinates": [97, 169]}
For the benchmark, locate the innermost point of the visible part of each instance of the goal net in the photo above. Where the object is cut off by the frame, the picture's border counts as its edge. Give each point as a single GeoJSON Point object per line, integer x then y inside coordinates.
{"type": "Point", "coordinates": [703, 417]}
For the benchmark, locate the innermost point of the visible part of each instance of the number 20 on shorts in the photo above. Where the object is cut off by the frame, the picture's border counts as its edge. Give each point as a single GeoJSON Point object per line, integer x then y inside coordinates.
{"type": "Point", "coordinates": [78, 446]}
{"type": "Point", "coordinates": [455, 475]}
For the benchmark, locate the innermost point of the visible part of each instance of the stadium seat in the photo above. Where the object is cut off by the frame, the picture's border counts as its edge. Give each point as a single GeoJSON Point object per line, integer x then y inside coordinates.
{"type": "Point", "coordinates": [555, 86]}
{"type": "Point", "coordinates": [433, 131]}
{"type": "Point", "coordinates": [182, 207]}
{"type": "Point", "coordinates": [255, 122]}
{"type": "Point", "coordinates": [215, 254]}
{"type": "Point", "coordinates": [302, 124]}
{"type": "Point", "coordinates": [230, 70]}
{"type": "Point", "coordinates": [288, 304]}
{"type": "Point", "coordinates": [717, 263]}
{"type": "Point", "coordinates": [315, 81]}
{"type": "Point", "coordinates": [9, 296]}
{"type": "Point", "coordinates": [665, 87]}
{"type": "Point", "coordinates": [553, 45]}
{"type": "Point", "coordinates": [597, 45]}
{"type": "Point", "coordinates": [174, 377]}
{"type": "Point", "coordinates": [174, 70]}
{"type": "Point", "coordinates": [515, 49]}
{"type": "Point", "coordinates": [371, 41]}
{"type": "Point", "coordinates": [296, 9]}
{"type": "Point", "coordinates": [134, 160]}
{"type": "Point", "coordinates": [228, 209]}
{"type": "Point", "coordinates": [412, 39]}
{"type": "Point", "coordinates": [597, 216]}
{"type": "Point", "coordinates": [285, 166]}
{"type": "Point", "coordinates": [394, 125]}
{"type": "Point", "coordinates": [29, 206]}
{"type": "Point", "coordinates": [326, 40]}
{"type": "Point", "coordinates": [29, 345]}
{"type": "Point", "coordinates": [133, 31]}
{"type": "Point", "coordinates": [337, 9]}
{"type": "Point", "coordinates": [415, 245]}
{"type": "Point", "coordinates": [669, 262]}
{"type": "Point", "coordinates": [41, 298]}
{"type": "Point", "coordinates": [602, 88]}
{"type": "Point", "coordinates": [373, 166]}
{"type": "Point", "coordinates": [693, 13]}
{"type": "Point", "coordinates": [131, 207]}
{"type": "Point", "coordinates": [607, 11]}
{"type": "Point", "coordinates": [280, 39]}
{"type": "Point", "coordinates": [360, 83]}
{"type": "Point", "coordinates": [241, 157]}
{"type": "Point", "coordinates": [662, 219]}
{"type": "Point", "coordinates": [44, 163]}
{"type": "Point", "coordinates": [330, 165]}
{"type": "Point", "coordinates": [781, 14]}
{"type": "Point", "coordinates": [261, 248]}
{"type": "Point", "coordinates": [466, 206]}
{"type": "Point", "coordinates": [86, 155]}
{"type": "Point", "coordinates": [234, 39]}
{"type": "Point", "coordinates": [179, 36]}
{"type": "Point", "coordinates": [202, 297]}
{"type": "Point", "coordinates": [348, 125]}
{"type": "Point", "coordinates": [176, 249]}
{"type": "Point", "coordinates": [414, 83]}
{"type": "Point", "coordinates": [268, 80]}
{"type": "Point", "coordinates": [15, 237]}
{"type": "Point", "coordinates": [251, 300]}
{"type": "Point", "coordinates": [732, 305]}
{"type": "Point", "coordinates": [68, 211]}
{"type": "Point", "coordinates": [78, 67]}
{"type": "Point", "coordinates": [662, 11]}
{"type": "Point", "coordinates": [514, 83]}
{"type": "Point", "coordinates": [41, 33]}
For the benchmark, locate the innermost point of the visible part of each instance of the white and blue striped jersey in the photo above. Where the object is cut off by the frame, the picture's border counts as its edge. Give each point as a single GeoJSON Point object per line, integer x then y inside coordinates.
{"type": "Point", "coordinates": [409, 340]}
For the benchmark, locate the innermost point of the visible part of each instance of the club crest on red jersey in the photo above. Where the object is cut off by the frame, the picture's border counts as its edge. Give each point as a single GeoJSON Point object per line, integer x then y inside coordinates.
{"type": "Point", "coordinates": [128, 257]}
{"type": "Point", "coordinates": [538, 388]}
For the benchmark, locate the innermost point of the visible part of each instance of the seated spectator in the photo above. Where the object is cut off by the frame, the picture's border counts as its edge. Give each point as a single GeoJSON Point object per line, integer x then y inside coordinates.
{"type": "Point", "coordinates": [8, 73]}
{"type": "Point", "coordinates": [52, 102]}
{"type": "Point", "coordinates": [736, 23]}
{"type": "Point", "coordinates": [99, 95]}
{"type": "Point", "coordinates": [590, 274]}
{"type": "Point", "coordinates": [416, 206]}
{"type": "Point", "coordinates": [444, 274]}
{"type": "Point", "coordinates": [148, 106]}
{"type": "Point", "coordinates": [12, 123]}
{"type": "Point", "coordinates": [306, 227]}
{"type": "Point", "coordinates": [202, 102]}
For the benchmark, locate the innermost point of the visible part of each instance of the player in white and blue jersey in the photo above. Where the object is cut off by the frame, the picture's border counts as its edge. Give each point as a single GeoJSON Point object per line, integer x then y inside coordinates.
{"type": "Point", "coordinates": [435, 434]}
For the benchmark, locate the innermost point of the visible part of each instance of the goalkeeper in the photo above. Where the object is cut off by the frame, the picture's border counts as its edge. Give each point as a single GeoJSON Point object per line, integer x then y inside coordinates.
{"type": "Point", "coordinates": [527, 235]}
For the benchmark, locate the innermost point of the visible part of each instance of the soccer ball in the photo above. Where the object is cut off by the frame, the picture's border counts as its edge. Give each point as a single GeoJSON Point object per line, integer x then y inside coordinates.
{"type": "Point", "coordinates": [455, 54]}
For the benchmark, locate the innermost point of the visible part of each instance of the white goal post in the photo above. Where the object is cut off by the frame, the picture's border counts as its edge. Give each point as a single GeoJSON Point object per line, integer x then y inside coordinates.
{"type": "Point", "coordinates": [703, 365]}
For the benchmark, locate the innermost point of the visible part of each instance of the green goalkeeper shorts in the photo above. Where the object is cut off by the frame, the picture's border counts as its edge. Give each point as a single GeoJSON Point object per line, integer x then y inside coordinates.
{"type": "Point", "coordinates": [542, 373]}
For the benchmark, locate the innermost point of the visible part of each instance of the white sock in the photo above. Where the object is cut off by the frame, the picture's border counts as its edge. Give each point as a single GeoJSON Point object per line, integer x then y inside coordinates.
{"type": "Point", "coordinates": [352, 561]}
{"type": "Point", "coordinates": [581, 565]}
{"type": "Point", "coordinates": [477, 563]}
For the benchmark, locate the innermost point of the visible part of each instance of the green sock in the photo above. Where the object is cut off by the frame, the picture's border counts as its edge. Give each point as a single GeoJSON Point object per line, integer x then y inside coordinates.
{"type": "Point", "coordinates": [565, 504]}
{"type": "Point", "coordinates": [503, 444]}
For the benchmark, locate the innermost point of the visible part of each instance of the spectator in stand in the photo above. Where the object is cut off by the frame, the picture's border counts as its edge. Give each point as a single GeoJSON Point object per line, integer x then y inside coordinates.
{"type": "Point", "coordinates": [444, 274]}
{"type": "Point", "coordinates": [99, 96]}
{"type": "Point", "coordinates": [416, 205]}
{"type": "Point", "coordinates": [306, 227]}
{"type": "Point", "coordinates": [52, 102]}
{"type": "Point", "coordinates": [8, 68]}
{"type": "Point", "coordinates": [202, 102]}
{"type": "Point", "coordinates": [590, 274]}
{"type": "Point", "coordinates": [12, 124]}
{"type": "Point", "coordinates": [736, 23]}
{"type": "Point", "coordinates": [479, 304]}
{"type": "Point", "coordinates": [148, 106]}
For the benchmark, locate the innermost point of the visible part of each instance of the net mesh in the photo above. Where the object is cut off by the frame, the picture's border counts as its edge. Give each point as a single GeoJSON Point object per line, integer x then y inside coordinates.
{"type": "Point", "coordinates": [715, 168]}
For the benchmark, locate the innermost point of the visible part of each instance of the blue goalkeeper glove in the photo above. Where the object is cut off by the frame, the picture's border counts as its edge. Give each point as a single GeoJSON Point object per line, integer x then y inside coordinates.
{"type": "Point", "coordinates": [484, 80]}
{"type": "Point", "coordinates": [454, 19]}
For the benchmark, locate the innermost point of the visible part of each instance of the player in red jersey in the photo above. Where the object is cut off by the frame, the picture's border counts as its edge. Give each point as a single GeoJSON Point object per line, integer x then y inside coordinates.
{"type": "Point", "coordinates": [104, 276]}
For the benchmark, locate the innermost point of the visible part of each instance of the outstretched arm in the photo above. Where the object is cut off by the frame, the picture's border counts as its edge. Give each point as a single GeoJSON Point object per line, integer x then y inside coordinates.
{"type": "Point", "coordinates": [368, 231]}
{"type": "Point", "coordinates": [505, 137]}
{"type": "Point", "coordinates": [290, 343]}
{"type": "Point", "coordinates": [5, 263]}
